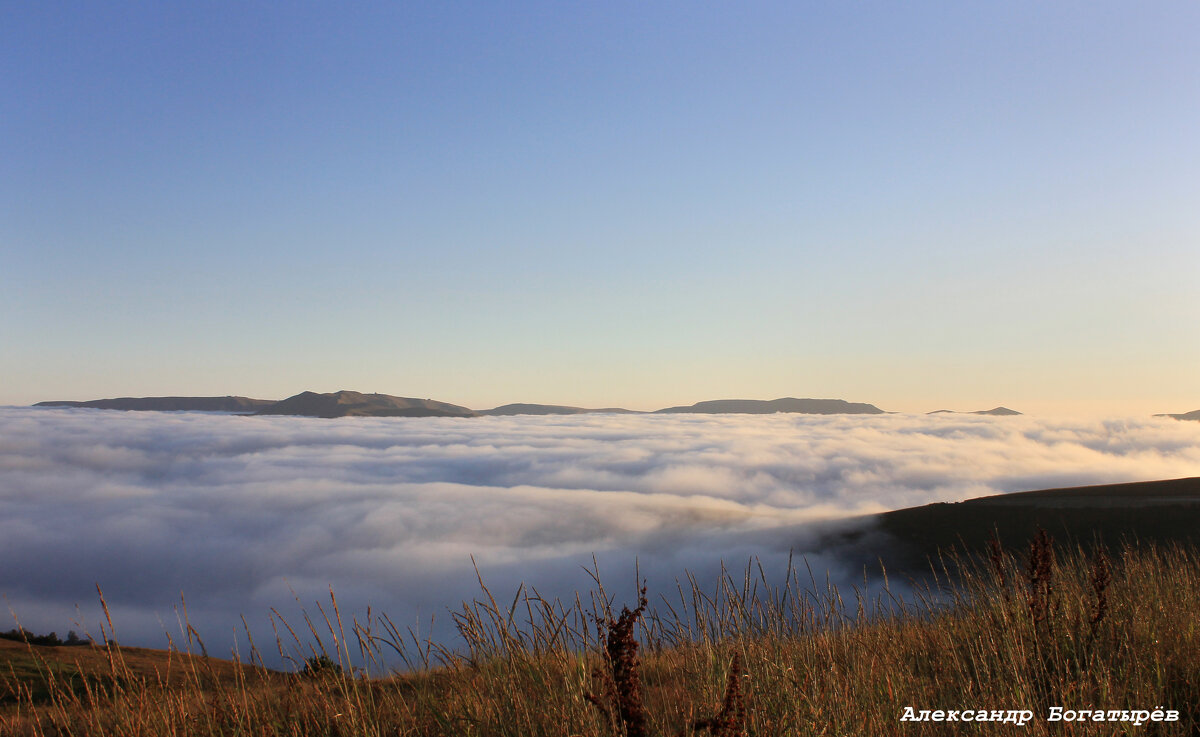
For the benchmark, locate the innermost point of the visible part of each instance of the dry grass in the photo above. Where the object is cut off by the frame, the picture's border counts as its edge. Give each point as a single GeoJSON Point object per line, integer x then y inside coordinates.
{"type": "Point", "coordinates": [743, 658]}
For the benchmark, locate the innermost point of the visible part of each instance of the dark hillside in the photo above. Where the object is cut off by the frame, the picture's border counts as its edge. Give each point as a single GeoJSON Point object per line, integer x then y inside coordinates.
{"type": "Point", "coordinates": [1153, 511]}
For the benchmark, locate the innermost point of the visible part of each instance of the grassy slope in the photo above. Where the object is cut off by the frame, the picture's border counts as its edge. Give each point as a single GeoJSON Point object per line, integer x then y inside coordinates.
{"type": "Point", "coordinates": [39, 669]}
{"type": "Point", "coordinates": [812, 660]}
{"type": "Point", "coordinates": [809, 663]}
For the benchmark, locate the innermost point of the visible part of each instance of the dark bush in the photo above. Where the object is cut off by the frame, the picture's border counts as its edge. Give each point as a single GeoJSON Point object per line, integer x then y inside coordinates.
{"type": "Point", "coordinates": [321, 665]}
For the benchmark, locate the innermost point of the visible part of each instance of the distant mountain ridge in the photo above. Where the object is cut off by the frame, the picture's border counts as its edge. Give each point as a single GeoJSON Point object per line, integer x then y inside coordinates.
{"type": "Point", "coordinates": [347, 403]}
{"type": "Point", "coordinates": [354, 404]}
{"type": "Point", "coordinates": [786, 404]}
{"type": "Point", "coordinates": [521, 408]}
{"type": "Point", "coordinates": [169, 404]}
{"type": "Point", "coordinates": [1193, 415]}
{"type": "Point", "coordinates": [996, 411]}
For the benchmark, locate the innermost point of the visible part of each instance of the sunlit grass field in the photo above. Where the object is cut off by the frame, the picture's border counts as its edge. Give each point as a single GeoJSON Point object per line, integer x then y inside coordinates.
{"type": "Point", "coordinates": [1005, 633]}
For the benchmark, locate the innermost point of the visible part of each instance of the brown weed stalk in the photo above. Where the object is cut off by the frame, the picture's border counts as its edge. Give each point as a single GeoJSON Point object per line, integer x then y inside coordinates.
{"type": "Point", "coordinates": [730, 721]}
{"type": "Point", "coordinates": [624, 680]}
{"type": "Point", "coordinates": [1101, 577]}
{"type": "Point", "coordinates": [1040, 575]}
{"type": "Point", "coordinates": [998, 560]}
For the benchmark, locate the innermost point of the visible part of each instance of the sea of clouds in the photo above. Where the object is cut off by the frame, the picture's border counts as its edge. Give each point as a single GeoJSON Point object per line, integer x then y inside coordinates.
{"type": "Point", "coordinates": [244, 514]}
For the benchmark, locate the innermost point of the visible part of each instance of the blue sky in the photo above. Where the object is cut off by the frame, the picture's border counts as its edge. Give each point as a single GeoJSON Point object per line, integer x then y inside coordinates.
{"type": "Point", "coordinates": [917, 205]}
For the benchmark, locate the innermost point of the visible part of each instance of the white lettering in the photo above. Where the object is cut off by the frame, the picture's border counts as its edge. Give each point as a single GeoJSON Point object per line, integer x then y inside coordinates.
{"type": "Point", "coordinates": [1055, 714]}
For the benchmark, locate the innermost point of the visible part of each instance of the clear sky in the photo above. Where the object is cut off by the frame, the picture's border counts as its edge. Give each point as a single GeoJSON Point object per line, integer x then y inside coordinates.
{"type": "Point", "coordinates": [918, 205]}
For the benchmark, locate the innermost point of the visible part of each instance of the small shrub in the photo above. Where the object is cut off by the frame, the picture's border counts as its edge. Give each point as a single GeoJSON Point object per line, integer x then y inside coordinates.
{"type": "Point", "coordinates": [321, 665]}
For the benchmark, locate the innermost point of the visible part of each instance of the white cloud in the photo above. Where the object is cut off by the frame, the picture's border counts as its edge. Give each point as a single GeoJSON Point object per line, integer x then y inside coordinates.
{"type": "Point", "coordinates": [237, 511]}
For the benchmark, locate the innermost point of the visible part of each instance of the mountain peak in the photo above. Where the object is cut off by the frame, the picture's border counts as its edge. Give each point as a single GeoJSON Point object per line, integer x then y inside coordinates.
{"type": "Point", "coordinates": [346, 403]}
{"type": "Point", "coordinates": [784, 404]}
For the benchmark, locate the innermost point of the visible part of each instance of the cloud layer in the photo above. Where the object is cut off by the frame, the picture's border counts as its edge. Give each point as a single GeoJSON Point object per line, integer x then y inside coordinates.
{"type": "Point", "coordinates": [240, 512]}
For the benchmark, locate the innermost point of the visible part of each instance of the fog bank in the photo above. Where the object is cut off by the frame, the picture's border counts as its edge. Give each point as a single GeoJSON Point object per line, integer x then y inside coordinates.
{"type": "Point", "coordinates": [240, 512]}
